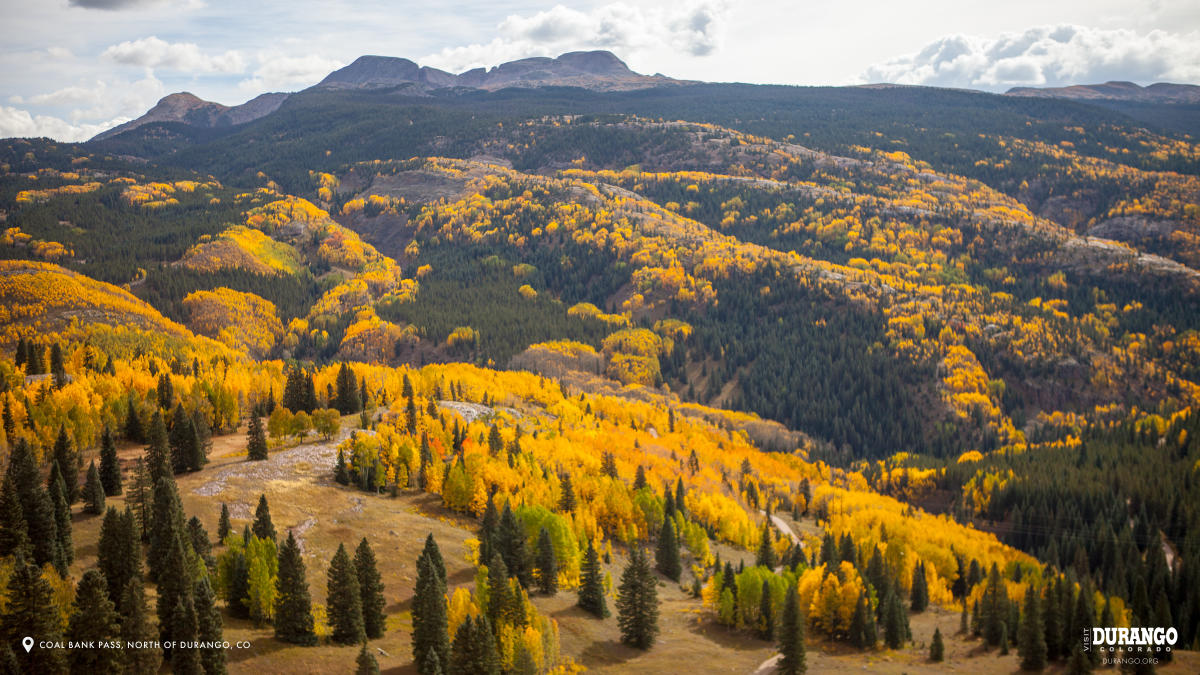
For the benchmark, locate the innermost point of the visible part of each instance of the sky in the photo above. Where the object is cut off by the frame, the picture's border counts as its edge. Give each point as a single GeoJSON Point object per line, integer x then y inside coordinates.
{"type": "Point", "coordinates": [72, 68]}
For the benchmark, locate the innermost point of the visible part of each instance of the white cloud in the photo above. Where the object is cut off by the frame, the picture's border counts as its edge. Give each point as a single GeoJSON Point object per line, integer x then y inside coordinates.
{"type": "Point", "coordinates": [15, 122]}
{"type": "Point", "coordinates": [279, 72]}
{"type": "Point", "coordinates": [152, 52]}
{"type": "Point", "coordinates": [694, 27]}
{"type": "Point", "coordinates": [1046, 56]}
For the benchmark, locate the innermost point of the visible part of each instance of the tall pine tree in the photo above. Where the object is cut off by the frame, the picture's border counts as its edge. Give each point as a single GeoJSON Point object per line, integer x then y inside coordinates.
{"type": "Point", "coordinates": [547, 564]}
{"type": "Point", "coordinates": [666, 555]}
{"type": "Point", "coordinates": [68, 464]}
{"type": "Point", "coordinates": [93, 619]}
{"type": "Point", "coordinates": [93, 492]}
{"type": "Point", "coordinates": [293, 604]}
{"type": "Point", "coordinates": [919, 595]}
{"type": "Point", "coordinates": [370, 587]}
{"type": "Point", "coordinates": [29, 599]}
{"type": "Point", "coordinates": [591, 584]}
{"type": "Point", "coordinates": [637, 602]}
{"type": "Point", "coordinates": [792, 659]}
{"type": "Point", "coordinates": [136, 629]}
{"type": "Point", "coordinates": [430, 641]}
{"type": "Point", "coordinates": [209, 629]}
{"type": "Point", "coordinates": [1031, 636]}
{"type": "Point", "coordinates": [256, 443]}
{"type": "Point", "coordinates": [263, 528]}
{"type": "Point", "coordinates": [344, 600]}
{"type": "Point", "coordinates": [110, 467]}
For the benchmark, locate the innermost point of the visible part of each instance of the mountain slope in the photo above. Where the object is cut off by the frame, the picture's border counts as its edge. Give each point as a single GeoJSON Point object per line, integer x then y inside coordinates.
{"type": "Point", "coordinates": [194, 111]}
{"type": "Point", "coordinates": [1159, 92]}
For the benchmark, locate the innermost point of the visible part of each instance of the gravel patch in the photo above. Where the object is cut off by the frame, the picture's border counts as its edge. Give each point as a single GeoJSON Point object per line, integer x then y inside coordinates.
{"type": "Point", "coordinates": [315, 459]}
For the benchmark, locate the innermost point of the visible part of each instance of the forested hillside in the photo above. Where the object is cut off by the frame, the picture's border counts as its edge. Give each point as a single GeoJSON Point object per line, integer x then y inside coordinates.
{"type": "Point", "coordinates": [882, 361]}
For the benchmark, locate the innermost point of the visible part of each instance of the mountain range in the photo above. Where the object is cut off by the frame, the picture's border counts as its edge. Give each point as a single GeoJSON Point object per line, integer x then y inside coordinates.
{"type": "Point", "coordinates": [594, 70]}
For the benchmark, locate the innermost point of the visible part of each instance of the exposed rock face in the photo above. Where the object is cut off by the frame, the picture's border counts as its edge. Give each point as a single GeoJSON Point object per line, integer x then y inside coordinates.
{"type": "Point", "coordinates": [1133, 228]}
{"type": "Point", "coordinates": [368, 72]}
{"type": "Point", "coordinates": [1161, 92]}
{"type": "Point", "coordinates": [599, 70]}
{"type": "Point", "coordinates": [191, 109]}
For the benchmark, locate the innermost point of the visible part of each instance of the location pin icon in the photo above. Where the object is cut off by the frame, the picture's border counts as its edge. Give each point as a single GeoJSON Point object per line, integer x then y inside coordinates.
{"type": "Point", "coordinates": [27, 643]}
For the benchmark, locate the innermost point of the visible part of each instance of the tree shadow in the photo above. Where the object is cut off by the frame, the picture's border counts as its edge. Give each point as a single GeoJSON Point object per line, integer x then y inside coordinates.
{"type": "Point", "coordinates": [725, 637]}
{"type": "Point", "coordinates": [608, 652]}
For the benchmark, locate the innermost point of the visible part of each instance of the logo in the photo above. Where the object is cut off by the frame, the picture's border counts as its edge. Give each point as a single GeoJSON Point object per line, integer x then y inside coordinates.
{"type": "Point", "coordinates": [1136, 639]}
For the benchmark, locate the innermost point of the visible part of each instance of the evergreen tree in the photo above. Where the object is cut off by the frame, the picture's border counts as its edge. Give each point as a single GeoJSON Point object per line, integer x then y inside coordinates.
{"type": "Point", "coordinates": [36, 364]}
{"type": "Point", "coordinates": [547, 565]}
{"type": "Point", "coordinates": [766, 613]}
{"type": "Point", "coordinates": [370, 586]}
{"type": "Point", "coordinates": [637, 602]}
{"type": "Point", "coordinates": [68, 464]}
{"type": "Point", "coordinates": [158, 452]}
{"type": "Point", "coordinates": [434, 554]}
{"type": "Point", "coordinates": [238, 595]}
{"type": "Point", "coordinates": [861, 636]}
{"type": "Point", "coordinates": [202, 444]}
{"type": "Point", "coordinates": [895, 621]}
{"type": "Point", "coordinates": [198, 537]}
{"type": "Point", "coordinates": [566, 500]}
{"type": "Point", "coordinates": [639, 479]}
{"type": "Point", "coordinates": [500, 596]}
{"type": "Point", "coordinates": [65, 553]}
{"type": "Point", "coordinates": [937, 648]}
{"type": "Point", "coordinates": [919, 595]}
{"type": "Point", "coordinates": [223, 525]}
{"type": "Point", "coordinates": [256, 444]}
{"type": "Point", "coordinates": [366, 664]}
{"type": "Point", "coordinates": [166, 526]}
{"type": "Point", "coordinates": [139, 498]}
{"type": "Point", "coordinates": [487, 529]}
{"type": "Point", "coordinates": [57, 367]}
{"type": "Point", "coordinates": [165, 391]}
{"type": "Point", "coordinates": [791, 636]}
{"type": "Point", "coordinates": [591, 584]}
{"type": "Point", "coordinates": [113, 555]}
{"type": "Point", "coordinates": [110, 468]}
{"type": "Point", "coordinates": [666, 556]}
{"type": "Point", "coordinates": [1031, 639]}
{"type": "Point", "coordinates": [93, 492]}
{"type": "Point", "coordinates": [133, 424]}
{"type": "Point", "coordinates": [431, 665]}
{"type": "Point", "coordinates": [430, 641]}
{"type": "Point", "coordinates": [185, 628]}
{"type": "Point", "coordinates": [345, 600]}
{"type": "Point", "coordinates": [963, 620]}
{"type": "Point", "coordinates": [209, 628]}
{"type": "Point", "coordinates": [347, 401]}
{"type": "Point", "coordinates": [341, 473]}
{"type": "Point", "coordinates": [29, 612]}
{"type": "Point", "coordinates": [14, 534]}
{"type": "Point", "coordinates": [182, 440]}
{"type": "Point", "coordinates": [766, 552]}
{"type": "Point", "coordinates": [174, 589]}
{"type": "Point", "coordinates": [510, 542]}
{"type": "Point", "coordinates": [263, 528]}
{"type": "Point", "coordinates": [136, 629]}
{"type": "Point", "coordinates": [474, 649]}
{"type": "Point", "coordinates": [993, 609]}
{"type": "Point", "coordinates": [1084, 617]}
{"type": "Point", "coordinates": [9, 424]}
{"type": "Point", "coordinates": [293, 605]}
